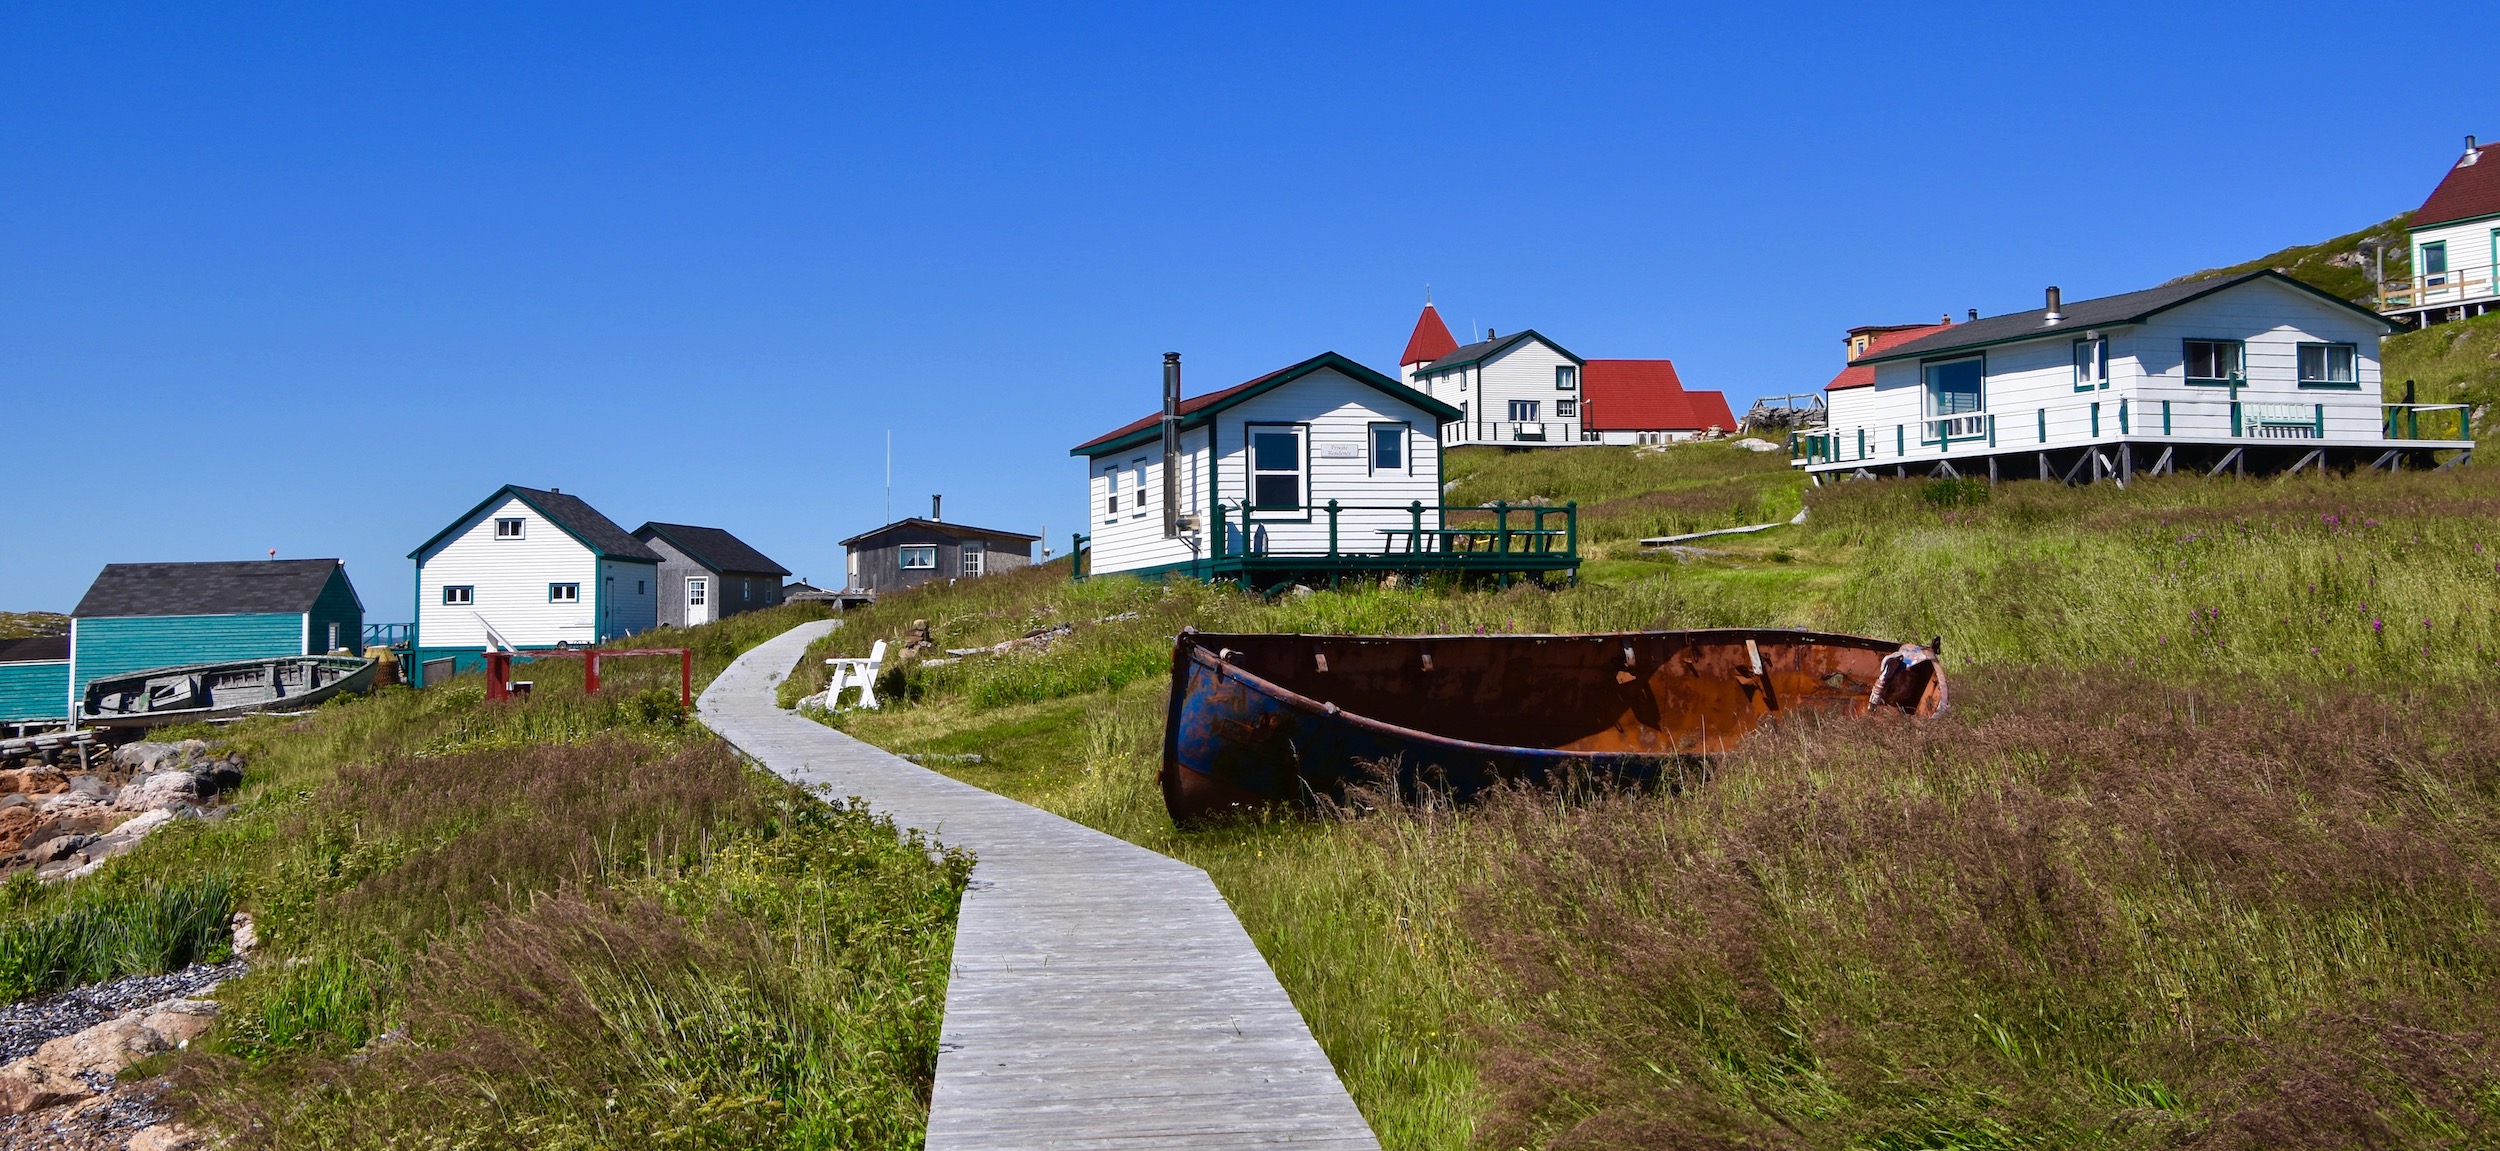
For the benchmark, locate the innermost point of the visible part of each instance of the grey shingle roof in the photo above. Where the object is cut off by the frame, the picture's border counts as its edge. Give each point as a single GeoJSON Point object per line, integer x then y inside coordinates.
{"type": "Point", "coordinates": [1487, 349]}
{"type": "Point", "coordinates": [583, 521]}
{"type": "Point", "coordinates": [236, 587]}
{"type": "Point", "coordinates": [877, 536]}
{"type": "Point", "coordinates": [2081, 315]}
{"type": "Point", "coordinates": [712, 547]}
{"type": "Point", "coordinates": [34, 648]}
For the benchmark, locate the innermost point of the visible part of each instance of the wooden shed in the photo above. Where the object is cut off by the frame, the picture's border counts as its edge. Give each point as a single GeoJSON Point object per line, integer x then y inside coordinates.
{"type": "Point", "coordinates": [708, 574]}
{"type": "Point", "coordinates": [914, 551]}
{"type": "Point", "coordinates": [136, 617]}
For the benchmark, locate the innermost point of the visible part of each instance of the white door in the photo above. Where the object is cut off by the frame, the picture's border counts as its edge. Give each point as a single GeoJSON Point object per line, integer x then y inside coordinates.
{"type": "Point", "coordinates": [698, 600]}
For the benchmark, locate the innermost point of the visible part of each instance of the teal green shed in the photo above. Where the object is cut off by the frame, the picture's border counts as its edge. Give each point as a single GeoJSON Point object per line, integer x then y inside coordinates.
{"type": "Point", "coordinates": [34, 680]}
{"type": "Point", "coordinates": [137, 617]}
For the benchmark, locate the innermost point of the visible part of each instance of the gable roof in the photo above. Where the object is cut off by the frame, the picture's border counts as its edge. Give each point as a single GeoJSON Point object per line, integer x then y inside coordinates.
{"type": "Point", "coordinates": [1860, 373]}
{"type": "Point", "coordinates": [2131, 308]}
{"type": "Point", "coordinates": [1645, 395]}
{"type": "Point", "coordinates": [34, 649]}
{"type": "Point", "coordinates": [221, 587]}
{"type": "Point", "coordinates": [712, 547]}
{"type": "Point", "coordinates": [1197, 410]}
{"type": "Point", "coordinates": [1431, 341]}
{"type": "Point", "coordinates": [2470, 189]}
{"type": "Point", "coordinates": [579, 520]}
{"type": "Point", "coordinates": [1483, 350]}
{"type": "Point", "coordinates": [939, 526]}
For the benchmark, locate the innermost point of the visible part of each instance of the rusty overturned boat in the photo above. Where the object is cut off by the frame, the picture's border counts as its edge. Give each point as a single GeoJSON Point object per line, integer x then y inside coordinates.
{"type": "Point", "coordinates": [1260, 721]}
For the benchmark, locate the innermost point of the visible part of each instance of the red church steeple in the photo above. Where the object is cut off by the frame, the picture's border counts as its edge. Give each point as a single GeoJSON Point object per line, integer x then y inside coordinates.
{"type": "Point", "coordinates": [1431, 340]}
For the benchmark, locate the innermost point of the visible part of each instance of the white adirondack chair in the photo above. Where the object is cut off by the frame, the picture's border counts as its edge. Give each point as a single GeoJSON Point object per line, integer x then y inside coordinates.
{"type": "Point", "coordinates": [855, 672]}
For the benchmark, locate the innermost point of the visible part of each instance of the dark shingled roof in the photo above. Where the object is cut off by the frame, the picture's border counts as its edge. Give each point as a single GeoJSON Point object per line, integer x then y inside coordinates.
{"type": "Point", "coordinates": [712, 547]}
{"type": "Point", "coordinates": [235, 587]}
{"type": "Point", "coordinates": [952, 529]}
{"type": "Point", "coordinates": [1197, 410]}
{"type": "Point", "coordinates": [33, 648]}
{"type": "Point", "coordinates": [583, 521]}
{"type": "Point", "coordinates": [1487, 349]}
{"type": "Point", "coordinates": [2080, 315]}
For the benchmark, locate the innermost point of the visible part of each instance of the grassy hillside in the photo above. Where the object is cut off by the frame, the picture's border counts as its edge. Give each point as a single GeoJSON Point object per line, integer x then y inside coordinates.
{"type": "Point", "coordinates": [20, 624]}
{"type": "Point", "coordinates": [564, 921]}
{"type": "Point", "coordinates": [2336, 265]}
{"type": "Point", "coordinates": [2450, 363]}
{"type": "Point", "coordinates": [2205, 853]}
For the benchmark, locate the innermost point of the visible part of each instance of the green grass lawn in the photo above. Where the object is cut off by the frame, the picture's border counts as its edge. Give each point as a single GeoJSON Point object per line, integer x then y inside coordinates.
{"type": "Point", "coordinates": [2205, 852]}
{"type": "Point", "coordinates": [561, 921]}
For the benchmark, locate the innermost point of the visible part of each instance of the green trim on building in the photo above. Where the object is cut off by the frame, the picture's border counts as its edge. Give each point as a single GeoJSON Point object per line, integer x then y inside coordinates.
{"type": "Point", "coordinates": [1205, 416]}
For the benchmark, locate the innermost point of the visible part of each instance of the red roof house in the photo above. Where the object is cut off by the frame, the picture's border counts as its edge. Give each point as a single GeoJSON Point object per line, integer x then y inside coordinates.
{"type": "Point", "coordinates": [1431, 341]}
{"type": "Point", "coordinates": [1644, 401]}
{"type": "Point", "coordinates": [2456, 246]}
{"type": "Point", "coordinates": [1874, 339]}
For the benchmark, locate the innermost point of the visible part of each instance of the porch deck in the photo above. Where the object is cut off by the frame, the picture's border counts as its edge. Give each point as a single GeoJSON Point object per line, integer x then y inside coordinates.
{"type": "Point", "coordinates": [1499, 540]}
{"type": "Point", "coordinates": [2118, 439]}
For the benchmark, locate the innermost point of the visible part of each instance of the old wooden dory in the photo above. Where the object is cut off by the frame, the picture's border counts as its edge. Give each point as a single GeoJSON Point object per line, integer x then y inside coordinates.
{"type": "Point", "coordinates": [216, 690]}
{"type": "Point", "coordinates": [1264, 720]}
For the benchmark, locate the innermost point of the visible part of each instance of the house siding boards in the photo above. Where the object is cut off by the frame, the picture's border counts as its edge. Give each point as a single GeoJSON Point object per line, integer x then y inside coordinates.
{"type": "Point", "coordinates": [1337, 412]}
{"type": "Point", "coordinates": [1484, 388]}
{"type": "Point", "coordinates": [139, 617]}
{"type": "Point", "coordinates": [874, 560]}
{"type": "Point", "coordinates": [510, 579]}
{"type": "Point", "coordinates": [337, 607]}
{"type": "Point", "coordinates": [2146, 366]}
{"type": "Point", "coordinates": [33, 690]}
{"type": "Point", "coordinates": [116, 646]}
{"type": "Point", "coordinates": [731, 590]}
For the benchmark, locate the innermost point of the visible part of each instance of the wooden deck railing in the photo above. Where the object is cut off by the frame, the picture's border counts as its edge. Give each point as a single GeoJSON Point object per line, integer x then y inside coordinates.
{"type": "Point", "coordinates": [2461, 286]}
{"type": "Point", "coordinates": [2099, 420]}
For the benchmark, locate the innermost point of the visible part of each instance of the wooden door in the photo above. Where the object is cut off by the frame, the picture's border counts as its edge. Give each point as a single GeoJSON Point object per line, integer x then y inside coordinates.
{"type": "Point", "coordinates": [698, 600]}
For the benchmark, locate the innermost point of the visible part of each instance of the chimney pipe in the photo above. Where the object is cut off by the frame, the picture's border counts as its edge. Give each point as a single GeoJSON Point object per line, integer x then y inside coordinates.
{"type": "Point", "coordinates": [1171, 445]}
{"type": "Point", "coordinates": [2469, 143]}
{"type": "Point", "coordinates": [1490, 335]}
{"type": "Point", "coordinates": [2057, 305]}
{"type": "Point", "coordinates": [936, 503]}
{"type": "Point", "coordinates": [1974, 315]}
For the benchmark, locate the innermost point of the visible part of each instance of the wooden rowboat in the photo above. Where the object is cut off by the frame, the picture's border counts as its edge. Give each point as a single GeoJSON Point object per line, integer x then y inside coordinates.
{"type": "Point", "coordinates": [1261, 721]}
{"type": "Point", "coordinates": [218, 690]}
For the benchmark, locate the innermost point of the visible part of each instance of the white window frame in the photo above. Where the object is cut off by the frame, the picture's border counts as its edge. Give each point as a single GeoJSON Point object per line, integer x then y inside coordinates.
{"type": "Point", "coordinates": [1301, 472]}
{"type": "Point", "coordinates": [1138, 489]}
{"type": "Point", "coordinates": [1566, 378]}
{"type": "Point", "coordinates": [518, 524]}
{"type": "Point", "coordinates": [698, 591]}
{"type": "Point", "coordinates": [564, 593]}
{"type": "Point", "coordinates": [903, 557]}
{"type": "Point", "coordinates": [2433, 277]}
{"type": "Point", "coordinates": [1959, 423]}
{"type": "Point", "coordinates": [1566, 409]}
{"type": "Point", "coordinates": [2091, 364]}
{"type": "Point", "coordinates": [334, 637]}
{"type": "Point", "coordinates": [968, 556]}
{"type": "Point", "coordinates": [2326, 365]}
{"type": "Point", "coordinates": [1111, 494]}
{"type": "Point", "coordinates": [1406, 448]}
{"type": "Point", "coordinates": [1535, 409]}
{"type": "Point", "coordinates": [459, 595]}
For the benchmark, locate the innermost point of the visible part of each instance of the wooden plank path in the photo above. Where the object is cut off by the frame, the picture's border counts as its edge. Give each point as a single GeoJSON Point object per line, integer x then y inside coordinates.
{"type": "Point", "coordinates": [1102, 995]}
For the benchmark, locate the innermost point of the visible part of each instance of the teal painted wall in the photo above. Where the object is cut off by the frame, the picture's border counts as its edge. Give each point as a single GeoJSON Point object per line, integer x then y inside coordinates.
{"type": "Point", "coordinates": [119, 646]}
{"type": "Point", "coordinates": [337, 605]}
{"type": "Point", "coordinates": [34, 691]}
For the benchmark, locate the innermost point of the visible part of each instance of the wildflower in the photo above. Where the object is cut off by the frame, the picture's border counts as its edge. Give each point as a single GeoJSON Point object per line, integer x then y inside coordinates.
{"type": "Point", "coordinates": [2376, 627]}
{"type": "Point", "coordinates": [2313, 649]}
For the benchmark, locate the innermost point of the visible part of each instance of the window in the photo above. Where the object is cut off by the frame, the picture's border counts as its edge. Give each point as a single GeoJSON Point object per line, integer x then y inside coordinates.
{"type": "Point", "coordinates": [459, 596]}
{"type": "Point", "coordinates": [2435, 264]}
{"type": "Point", "coordinates": [2091, 364]}
{"type": "Point", "coordinates": [1388, 448]}
{"type": "Point", "coordinates": [1566, 409]}
{"type": "Point", "coordinates": [968, 561]}
{"type": "Point", "coordinates": [919, 557]}
{"type": "Point", "coordinates": [1525, 411]}
{"type": "Point", "coordinates": [1956, 393]}
{"type": "Point", "coordinates": [745, 591]}
{"type": "Point", "coordinates": [508, 529]}
{"type": "Point", "coordinates": [564, 593]}
{"type": "Point", "coordinates": [1137, 500]}
{"type": "Point", "coordinates": [1111, 493]}
{"type": "Point", "coordinates": [1275, 468]}
{"type": "Point", "coordinates": [2213, 362]}
{"type": "Point", "coordinates": [1566, 378]}
{"type": "Point", "coordinates": [698, 591]}
{"type": "Point", "coordinates": [2327, 366]}
{"type": "Point", "coordinates": [638, 587]}
{"type": "Point", "coordinates": [334, 638]}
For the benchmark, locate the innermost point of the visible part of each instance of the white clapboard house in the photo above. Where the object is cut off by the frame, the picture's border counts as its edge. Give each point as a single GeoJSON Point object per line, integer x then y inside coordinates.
{"type": "Point", "coordinates": [1524, 390]}
{"type": "Point", "coordinates": [2248, 373]}
{"type": "Point", "coordinates": [2456, 247]}
{"type": "Point", "coordinates": [1317, 470]}
{"type": "Point", "coordinates": [541, 568]}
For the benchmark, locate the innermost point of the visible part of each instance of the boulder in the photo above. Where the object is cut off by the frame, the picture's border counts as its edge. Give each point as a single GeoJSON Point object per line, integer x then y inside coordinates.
{"type": "Point", "coordinates": [146, 756]}
{"type": "Point", "coordinates": [158, 791]}
{"type": "Point", "coordinates": [26, 1086]}
{"type": "Point", "coordinates": [179, 1021]}
{"type": "Point", "coordinates": [33, 780]}
{"type": "Point", "coordinates": [103, 1049]}
{"type": "Point", "coordinates": [246, 936]}
{"type": "Point", "coordinates": [164, 1137]}
{"type": "Point", "coordinates": [17, 824]}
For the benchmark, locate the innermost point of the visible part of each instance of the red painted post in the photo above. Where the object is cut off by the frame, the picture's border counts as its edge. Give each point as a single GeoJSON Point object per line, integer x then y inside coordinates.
{"type": "Point", "coordinates": [590, 672]}
{"type": "Point", "coordinates": [498, 674]}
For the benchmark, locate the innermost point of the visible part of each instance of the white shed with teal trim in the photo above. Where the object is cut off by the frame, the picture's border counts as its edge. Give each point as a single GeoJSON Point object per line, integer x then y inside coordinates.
{"type": "Point", "coordinates": [138, 617]}
{"type": "Point", "coordinates": [541, 568]}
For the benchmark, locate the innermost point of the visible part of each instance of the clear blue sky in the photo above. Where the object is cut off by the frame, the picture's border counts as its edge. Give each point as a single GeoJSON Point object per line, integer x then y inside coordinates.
{"type": "Point", "coordinates": [318, 278]}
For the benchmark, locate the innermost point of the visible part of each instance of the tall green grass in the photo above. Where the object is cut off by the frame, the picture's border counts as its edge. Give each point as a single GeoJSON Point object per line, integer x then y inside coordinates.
{"type": "Point", "coordinates": [101, 933]}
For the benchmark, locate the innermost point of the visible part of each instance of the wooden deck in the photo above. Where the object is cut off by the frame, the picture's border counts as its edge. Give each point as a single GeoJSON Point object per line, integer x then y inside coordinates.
{"type": "Point", "coordinates": [1102, 995]}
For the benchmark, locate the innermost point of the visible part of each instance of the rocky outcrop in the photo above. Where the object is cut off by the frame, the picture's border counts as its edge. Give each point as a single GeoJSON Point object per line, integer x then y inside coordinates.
{"type": "Point", "coordinates": [65, 822]}
{"type": "Point", "coordinates": [75, 1067]}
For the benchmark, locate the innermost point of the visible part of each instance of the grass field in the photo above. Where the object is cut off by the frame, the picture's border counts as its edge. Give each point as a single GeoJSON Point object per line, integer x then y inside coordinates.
{"type": "Point", "coordinates": [2204, 854]}
{"type": "Point", "coordinates": [564, 921]}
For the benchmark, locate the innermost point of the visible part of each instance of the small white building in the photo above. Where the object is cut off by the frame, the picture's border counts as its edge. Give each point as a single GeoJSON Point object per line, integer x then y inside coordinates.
{"type": "Point", "coordinates": [2456, 247]}
{"type": "Point", "coordinates": [1519, 389]}
{"type": "Point", "coordinates": [1259, 464]}
{"type": "Point", "coordinates": [542, 567]}
{"type": "Point", "coordinates": [2255, 372]}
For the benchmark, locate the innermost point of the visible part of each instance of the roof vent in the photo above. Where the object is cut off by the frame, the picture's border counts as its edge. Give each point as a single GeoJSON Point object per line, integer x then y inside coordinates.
{"type": "Point", "coordinates": [2472, 153]}
{"type": "Point", "coordinates": [2057, 305]}
{"type": "Point", "coordinates": [937, 504]}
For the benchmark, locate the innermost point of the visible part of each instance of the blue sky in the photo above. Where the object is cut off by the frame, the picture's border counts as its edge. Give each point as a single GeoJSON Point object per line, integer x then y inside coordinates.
{"type": "Point", "coordinates": [318, 278]}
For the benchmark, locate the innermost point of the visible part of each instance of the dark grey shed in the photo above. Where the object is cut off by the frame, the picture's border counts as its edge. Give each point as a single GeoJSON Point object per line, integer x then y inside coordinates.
{"type": "Point", "coordinates": [727, 576]}
{"type": "Point", "coordinates": [914, 551]}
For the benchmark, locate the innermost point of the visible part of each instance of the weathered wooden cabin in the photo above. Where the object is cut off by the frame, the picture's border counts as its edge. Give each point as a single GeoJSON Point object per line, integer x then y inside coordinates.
{"type": "Point", "coordinates": [141, 616]}
{"type": "Point", "coordinates": [708, 574]}
{"type": "Point", "coordinates": [541, 567]}
{"type": "Point", "coordinates": [914, 551]}
{"type": "Point", "coordinates": [34, 680]}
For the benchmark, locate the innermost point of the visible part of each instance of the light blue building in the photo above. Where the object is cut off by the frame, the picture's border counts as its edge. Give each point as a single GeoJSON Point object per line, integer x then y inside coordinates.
{"type": "Point", "coordinates": [137, 617]}
{"type": "Point", "coordinates": [34, 680]}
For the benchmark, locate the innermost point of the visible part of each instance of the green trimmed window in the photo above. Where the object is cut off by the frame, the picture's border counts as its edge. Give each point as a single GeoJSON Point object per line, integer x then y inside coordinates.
{"type": "Point", "coordinates": [2215, 363]}
{"type": "Point", "coordinates": [564, 593]}
{"type": "Point", "coordinates": [2435, 263]}
{"type": "Point", "coordinates": [2329, 366]}
{"type": "Point", "coordinates": [2091, 364]}
{"type": "Point", "coordinates": [1275, 468]}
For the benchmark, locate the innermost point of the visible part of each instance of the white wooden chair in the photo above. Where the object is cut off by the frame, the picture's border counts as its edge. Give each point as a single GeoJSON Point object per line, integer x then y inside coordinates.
{"type": "Point", "coordinates": [855, 672]}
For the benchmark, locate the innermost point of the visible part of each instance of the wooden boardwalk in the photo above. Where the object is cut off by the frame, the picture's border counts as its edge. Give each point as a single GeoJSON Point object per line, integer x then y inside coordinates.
{"type": "Point", "coordinates": [1102, 995]}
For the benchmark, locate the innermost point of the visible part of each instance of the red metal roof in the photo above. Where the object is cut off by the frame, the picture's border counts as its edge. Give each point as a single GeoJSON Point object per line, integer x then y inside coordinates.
{"type": "Point", "coordinates": [1188, 404]}
{"type": "Point", "coordinates": [1858, 375]}
{"type": "Point", "coordinates": [2470, 189]}
{"type": "Point", "coordinates": [1646, 396]}
{"type": "Point", "coordinates": [1431, 341]}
